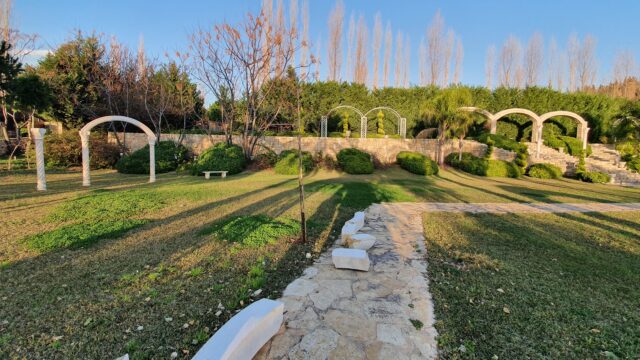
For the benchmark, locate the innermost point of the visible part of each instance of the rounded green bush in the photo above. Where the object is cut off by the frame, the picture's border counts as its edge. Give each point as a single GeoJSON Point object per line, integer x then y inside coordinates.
{"type": "Point", "coordinates": [287, 163]}
{"type": "Point", "coordinates": [65, 150]}
{"type": "Point", "coordinates": [544, 171]}
{"type": "Point", "coordinates": [220, 157]}
{"type": "Point", "coordinates": [168, 156]}
{"type": "Point", "coordinates": [354, 161]}
{"type": "Point", "coordinates": [416, 163]}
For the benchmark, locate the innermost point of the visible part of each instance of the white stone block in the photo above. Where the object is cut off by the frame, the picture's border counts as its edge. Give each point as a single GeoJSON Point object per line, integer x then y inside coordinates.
{"type": "Point", "coordinates": [362, 241]}
{"type": "Point", "coordinates": [349, 229]}
{"type": "Point", "coordinates": [355, 259]}
{"type": "Point", "coordinates": [245, 333]}
{"type": "Point", "coordinates": [358, 218]}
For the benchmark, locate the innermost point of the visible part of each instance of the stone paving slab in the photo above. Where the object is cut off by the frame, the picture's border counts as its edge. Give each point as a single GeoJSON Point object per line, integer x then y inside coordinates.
{"type": "Point", "coordinates": [347, 314]}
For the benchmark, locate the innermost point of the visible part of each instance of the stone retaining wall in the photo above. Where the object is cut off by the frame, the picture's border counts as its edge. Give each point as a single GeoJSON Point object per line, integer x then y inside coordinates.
{"type": "Point", "coordinates": [384, 150]}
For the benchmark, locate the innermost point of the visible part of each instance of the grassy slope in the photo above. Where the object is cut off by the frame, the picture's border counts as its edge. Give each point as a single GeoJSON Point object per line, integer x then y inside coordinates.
{"type": "Point", "coordinates": [557, 286]}
{"type": "Point", "coordinates": [100, 290]}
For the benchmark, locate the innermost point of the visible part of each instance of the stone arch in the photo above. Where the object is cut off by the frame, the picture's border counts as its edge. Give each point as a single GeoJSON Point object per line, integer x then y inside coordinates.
{"type": "Point", "coordinates": [535, 128]}
{"type": "Point", "coordinates": [399, 117]}
{"type": "Point", "coordinates": [583, 126]}
{"type": "Point", "coordinates": [85, 133]}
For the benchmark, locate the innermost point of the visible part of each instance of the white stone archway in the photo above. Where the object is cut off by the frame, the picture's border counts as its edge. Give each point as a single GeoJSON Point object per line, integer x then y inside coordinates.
{"type": "Point", "coordinates": [582, 132]}
{"type": "Point", "coordinates": [323, 120]}
{"type": "Point", "coordinates": [85, 133]}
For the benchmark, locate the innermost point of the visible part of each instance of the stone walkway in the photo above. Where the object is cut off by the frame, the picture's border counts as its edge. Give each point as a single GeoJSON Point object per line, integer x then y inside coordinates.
{"type": "Point", "coordinates": [345, 314]}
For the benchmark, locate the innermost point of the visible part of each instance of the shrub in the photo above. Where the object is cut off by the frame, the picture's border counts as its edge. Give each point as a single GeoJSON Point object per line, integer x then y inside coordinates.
{"type": "Point", "coordinates": [571, 145]}
{"type": "Point", "coordinates": [544, 171]}
{"type": "Point", "coordinates": [416, 163]}
{"type": "Point", "coordinates": [503, 142]}
{"type": "Point", "coordinates": [489, 152]}
{"type": "Point", "coordinates": [265, 160]}
{"type": "Point", "coordinates": [288, 162]}
{"type": "Point", "coordinates": [595, 177]}
{"type": "Point", "coordinates": [220, 157]}
{"type": "Point", "coordinates": [168, 156]}
{"type": "Point", "coordinates": [483, 167]}
{"type": "Point", "coordinates": [65, 150]}
{"type": "Point", "coordinates": [354, 161]}
{"type": "Point", "coordinates": [634, 164]}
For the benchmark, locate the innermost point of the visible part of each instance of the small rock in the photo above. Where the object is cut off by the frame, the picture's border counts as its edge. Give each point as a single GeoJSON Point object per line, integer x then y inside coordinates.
{"type": "Point", "coordinates": [500, 291]}
{"type": "Point", "coordinates": [185, 326]}
{"type": "Point", "coordinates": [220, 306]}
{"type": "Point", "coordinates": [308, 255]}
{"type": "Point", "coordinates": [462, 349]}
{"type": "Point", "coordinates": [174, 355]}
{"type": "Point", "coordinates": [595, 331]}
{"type": "Point", "coordinates": [56, 338]}
{"type": "Point", "coordinates": [241, 302]}
{"type": "Point", "coordinates": [256, 293]}
{"type": "Point", "coordinates": [147, 299]}
{"type": "Point", "coordinates": [140, 328]}
{"type": "Point", "coordinates": [168, 319]}
{"type": "Point", "coordinates": [218, 313]}
{"type": "Point", "coordinates": [506, 310]}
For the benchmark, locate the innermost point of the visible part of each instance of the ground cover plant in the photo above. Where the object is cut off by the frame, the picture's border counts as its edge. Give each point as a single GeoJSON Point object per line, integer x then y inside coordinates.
{"type": "Point", "coordinates": [535, 285]}
{"type": "Point", "coordinates": [88, 299]}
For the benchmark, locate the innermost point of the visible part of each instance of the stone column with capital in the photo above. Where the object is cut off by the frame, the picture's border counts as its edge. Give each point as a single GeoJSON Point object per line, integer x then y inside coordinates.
{"type": "Point", "coordinates": [152, 160]}
{"type": "Point", "coordinates": [37, 134]}
{"type": "Point", "coordinates": [585, 136]}
{"type": "Point", "coordinates": [86, 162]}
{"type": "Point", "coordinates": [494, 126]}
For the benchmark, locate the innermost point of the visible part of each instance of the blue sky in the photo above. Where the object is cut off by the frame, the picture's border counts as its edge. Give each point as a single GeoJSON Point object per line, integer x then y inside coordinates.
{"type": "Point", "coordinates": [165, 25]}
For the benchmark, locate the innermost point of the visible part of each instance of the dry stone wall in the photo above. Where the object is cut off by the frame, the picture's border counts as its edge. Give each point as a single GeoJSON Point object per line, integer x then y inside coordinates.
{"type": "Point", "coordinates": [383, 150]}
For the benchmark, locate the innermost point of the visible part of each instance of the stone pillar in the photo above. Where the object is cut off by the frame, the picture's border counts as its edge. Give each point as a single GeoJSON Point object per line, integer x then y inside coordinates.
{"type": "Point", "coordinates": [152, 159]}
{"type": "Point", "coordinates": [323, 127]}
{"type": "Point", "coordinates": [494, 126]}
{"type": "Point", "coordinates": [86, 163]}
{"type": "Point", "coordinates": [585, 136]}
{"type": "Point", "coordinates": [363, 127]}
{"type": "Point", "coordinates": [537, 130]}
{"type": "Point", "coordinates": [403, 128]}
{"type": "Point", "coordinates": [37, 134]}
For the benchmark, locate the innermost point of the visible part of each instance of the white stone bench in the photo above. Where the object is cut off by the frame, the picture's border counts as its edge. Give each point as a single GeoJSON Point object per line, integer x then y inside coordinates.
{"type": "Point", "coordinates": [207, 174]}
{"type": "Point", "coordinates": [245, 333]}
{"type": "Point", "coordinates": [354, 259]}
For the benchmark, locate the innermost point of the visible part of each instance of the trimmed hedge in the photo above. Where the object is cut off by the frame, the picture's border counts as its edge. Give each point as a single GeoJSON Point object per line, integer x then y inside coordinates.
{"type": "Point", "coordinates": [354, 161]}
{"type": "Point", "coordinates": [595, 177]}
{"type": "Point", "coordinates": [483, 167]}
{"type": "Point", "coordinates": [220, 157]}
{"type": "Point", "coordinates": [416, 163]}
{"type": "Point", "coordinates": [287, 163]}
{"type": "Point", "coordinates": [544, 171]}
{"type": "Point", "coordinates": [571, 145]}
{"type": "Point", "coordinates": [168, 156]}
{"type": "Point", "coordinates": [503, 142]}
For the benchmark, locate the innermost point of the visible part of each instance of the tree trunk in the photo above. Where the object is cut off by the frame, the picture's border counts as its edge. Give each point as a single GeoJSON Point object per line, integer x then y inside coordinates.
{"type": "Point", "coordinates": [303, 220]}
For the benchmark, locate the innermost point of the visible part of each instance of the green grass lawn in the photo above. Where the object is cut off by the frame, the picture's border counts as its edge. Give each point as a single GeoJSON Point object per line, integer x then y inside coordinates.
{"type": "Point", "coordinates": [543, 286]}
{"type": "Point", "coordinates": [130, 267]}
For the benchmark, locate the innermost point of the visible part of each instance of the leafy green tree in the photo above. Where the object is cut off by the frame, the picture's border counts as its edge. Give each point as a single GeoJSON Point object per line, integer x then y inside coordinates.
{"type": "Point", "coordinates": [444, 112]}
{"type": "Point", "coordinates": [29, 94]}
{"type": "Point", "coordinates": [74, 73]}
{"type": "Point", "coordinates": [10, 67]}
